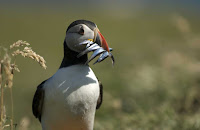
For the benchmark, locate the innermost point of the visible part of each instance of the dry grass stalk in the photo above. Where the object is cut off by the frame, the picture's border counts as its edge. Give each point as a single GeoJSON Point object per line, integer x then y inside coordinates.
{"type": "Point", "coordinates": [4, 115]}
{"type": "Point", "coordinates": [8, 70]}
{"type": "Point", "coordinates": [0, 73]}
{"type": "Point", "coordinates": [6, 75]}
{"type": "Point", "coordinates": [2, 107]}
{"type": "Point", "coordinates": [2, 104]}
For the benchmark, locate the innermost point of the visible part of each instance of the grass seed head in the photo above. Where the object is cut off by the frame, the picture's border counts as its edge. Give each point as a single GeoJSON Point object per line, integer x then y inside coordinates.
{"type": "Point", "coordinates": [19, 43]}
{"type": "Point", "coordinates": [28, 52]}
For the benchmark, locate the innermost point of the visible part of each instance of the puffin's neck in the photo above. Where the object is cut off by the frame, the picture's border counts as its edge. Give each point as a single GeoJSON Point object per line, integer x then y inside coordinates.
{"type": "Point", "coordinates": [70, 57]}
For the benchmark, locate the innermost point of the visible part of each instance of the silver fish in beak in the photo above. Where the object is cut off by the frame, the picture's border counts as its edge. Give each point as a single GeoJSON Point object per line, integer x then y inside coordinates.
{"type": "Point", "coordinates": [98, 46]}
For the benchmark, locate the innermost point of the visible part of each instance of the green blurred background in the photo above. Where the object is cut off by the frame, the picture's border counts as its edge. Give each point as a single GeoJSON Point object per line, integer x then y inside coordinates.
{"type": "Point", "coordinates": [155, 82]}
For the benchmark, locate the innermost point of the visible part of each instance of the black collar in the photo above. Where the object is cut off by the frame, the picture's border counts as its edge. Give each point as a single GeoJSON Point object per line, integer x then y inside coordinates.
{"type": "Point", "coordinates": [70, 57]}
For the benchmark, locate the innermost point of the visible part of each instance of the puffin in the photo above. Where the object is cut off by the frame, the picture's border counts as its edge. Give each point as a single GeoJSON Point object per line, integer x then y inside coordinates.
{"type": "Point", "coordinates": [68, 100]}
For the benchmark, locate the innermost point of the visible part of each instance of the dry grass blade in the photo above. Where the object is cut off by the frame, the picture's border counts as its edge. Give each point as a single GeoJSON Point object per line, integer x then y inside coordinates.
{"type": "Point", "coordinates": [2, 103]}
{"type": "Point", "coordinates": [0, 72]}
{"type": "Point", "coordinates": [8, 70]}
{"type": "Point", "coordinates": [15, 67]}
{"type": "Point", "coordinates": [9, 81]}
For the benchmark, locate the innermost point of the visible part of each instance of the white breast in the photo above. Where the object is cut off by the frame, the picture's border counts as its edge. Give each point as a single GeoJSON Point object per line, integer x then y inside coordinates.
{"type": "Point", "coordinates": [70, 99]}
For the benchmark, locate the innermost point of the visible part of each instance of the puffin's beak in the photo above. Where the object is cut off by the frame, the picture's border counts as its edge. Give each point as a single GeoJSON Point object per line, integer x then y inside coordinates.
{"type": "Point", "coordinates": [100, 40]}
{"type": "Point", "coordinates": [99, 46]}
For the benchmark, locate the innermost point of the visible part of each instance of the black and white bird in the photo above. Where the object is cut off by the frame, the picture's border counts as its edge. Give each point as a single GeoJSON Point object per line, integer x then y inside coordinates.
{"type": "Point", "coordinates": [69, 99]}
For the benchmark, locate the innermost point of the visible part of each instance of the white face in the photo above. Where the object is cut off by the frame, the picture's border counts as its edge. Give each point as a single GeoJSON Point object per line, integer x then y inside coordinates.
{"type": "Point", "coordinates": [76, 35]}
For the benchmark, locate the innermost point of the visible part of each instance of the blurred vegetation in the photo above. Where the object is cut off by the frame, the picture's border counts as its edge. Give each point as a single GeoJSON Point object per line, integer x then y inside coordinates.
{"type": "Point", "coordinates": [154, 84]}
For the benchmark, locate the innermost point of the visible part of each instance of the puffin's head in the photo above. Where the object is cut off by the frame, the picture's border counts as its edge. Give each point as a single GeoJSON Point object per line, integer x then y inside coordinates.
{"type": "Point", "coordinates": [83, 36]}
{"type": "Point", "coordinates": [81, 30]}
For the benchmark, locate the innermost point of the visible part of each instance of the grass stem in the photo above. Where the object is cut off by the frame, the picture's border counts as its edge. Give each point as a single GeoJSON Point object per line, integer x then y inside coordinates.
{"type": "Point", "coordinates": [12, 109]}
{"type": "Point", "coordinates": [2, 103]}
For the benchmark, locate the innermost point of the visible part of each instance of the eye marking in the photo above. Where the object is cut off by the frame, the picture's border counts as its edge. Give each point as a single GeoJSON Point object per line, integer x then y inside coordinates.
{"type": "Point", "coordinates": [81, 31]}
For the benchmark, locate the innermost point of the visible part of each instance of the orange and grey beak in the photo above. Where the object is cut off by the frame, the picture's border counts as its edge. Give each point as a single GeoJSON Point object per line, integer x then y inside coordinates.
{"type": "Point", "coordinates": [99, 47]}
{"type": "Point", "coordinates": [105, 52]}
{"type": "Point", "coordinates": [99, 39]}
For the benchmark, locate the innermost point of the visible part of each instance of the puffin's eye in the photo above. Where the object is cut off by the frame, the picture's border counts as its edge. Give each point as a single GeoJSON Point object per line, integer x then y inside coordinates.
{"type": "Point", "coordinates": [81, 31]}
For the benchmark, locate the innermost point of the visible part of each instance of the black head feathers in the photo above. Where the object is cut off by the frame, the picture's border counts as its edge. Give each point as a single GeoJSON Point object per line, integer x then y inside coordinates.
{"type": "Point", "coordinates": [90, 24]}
